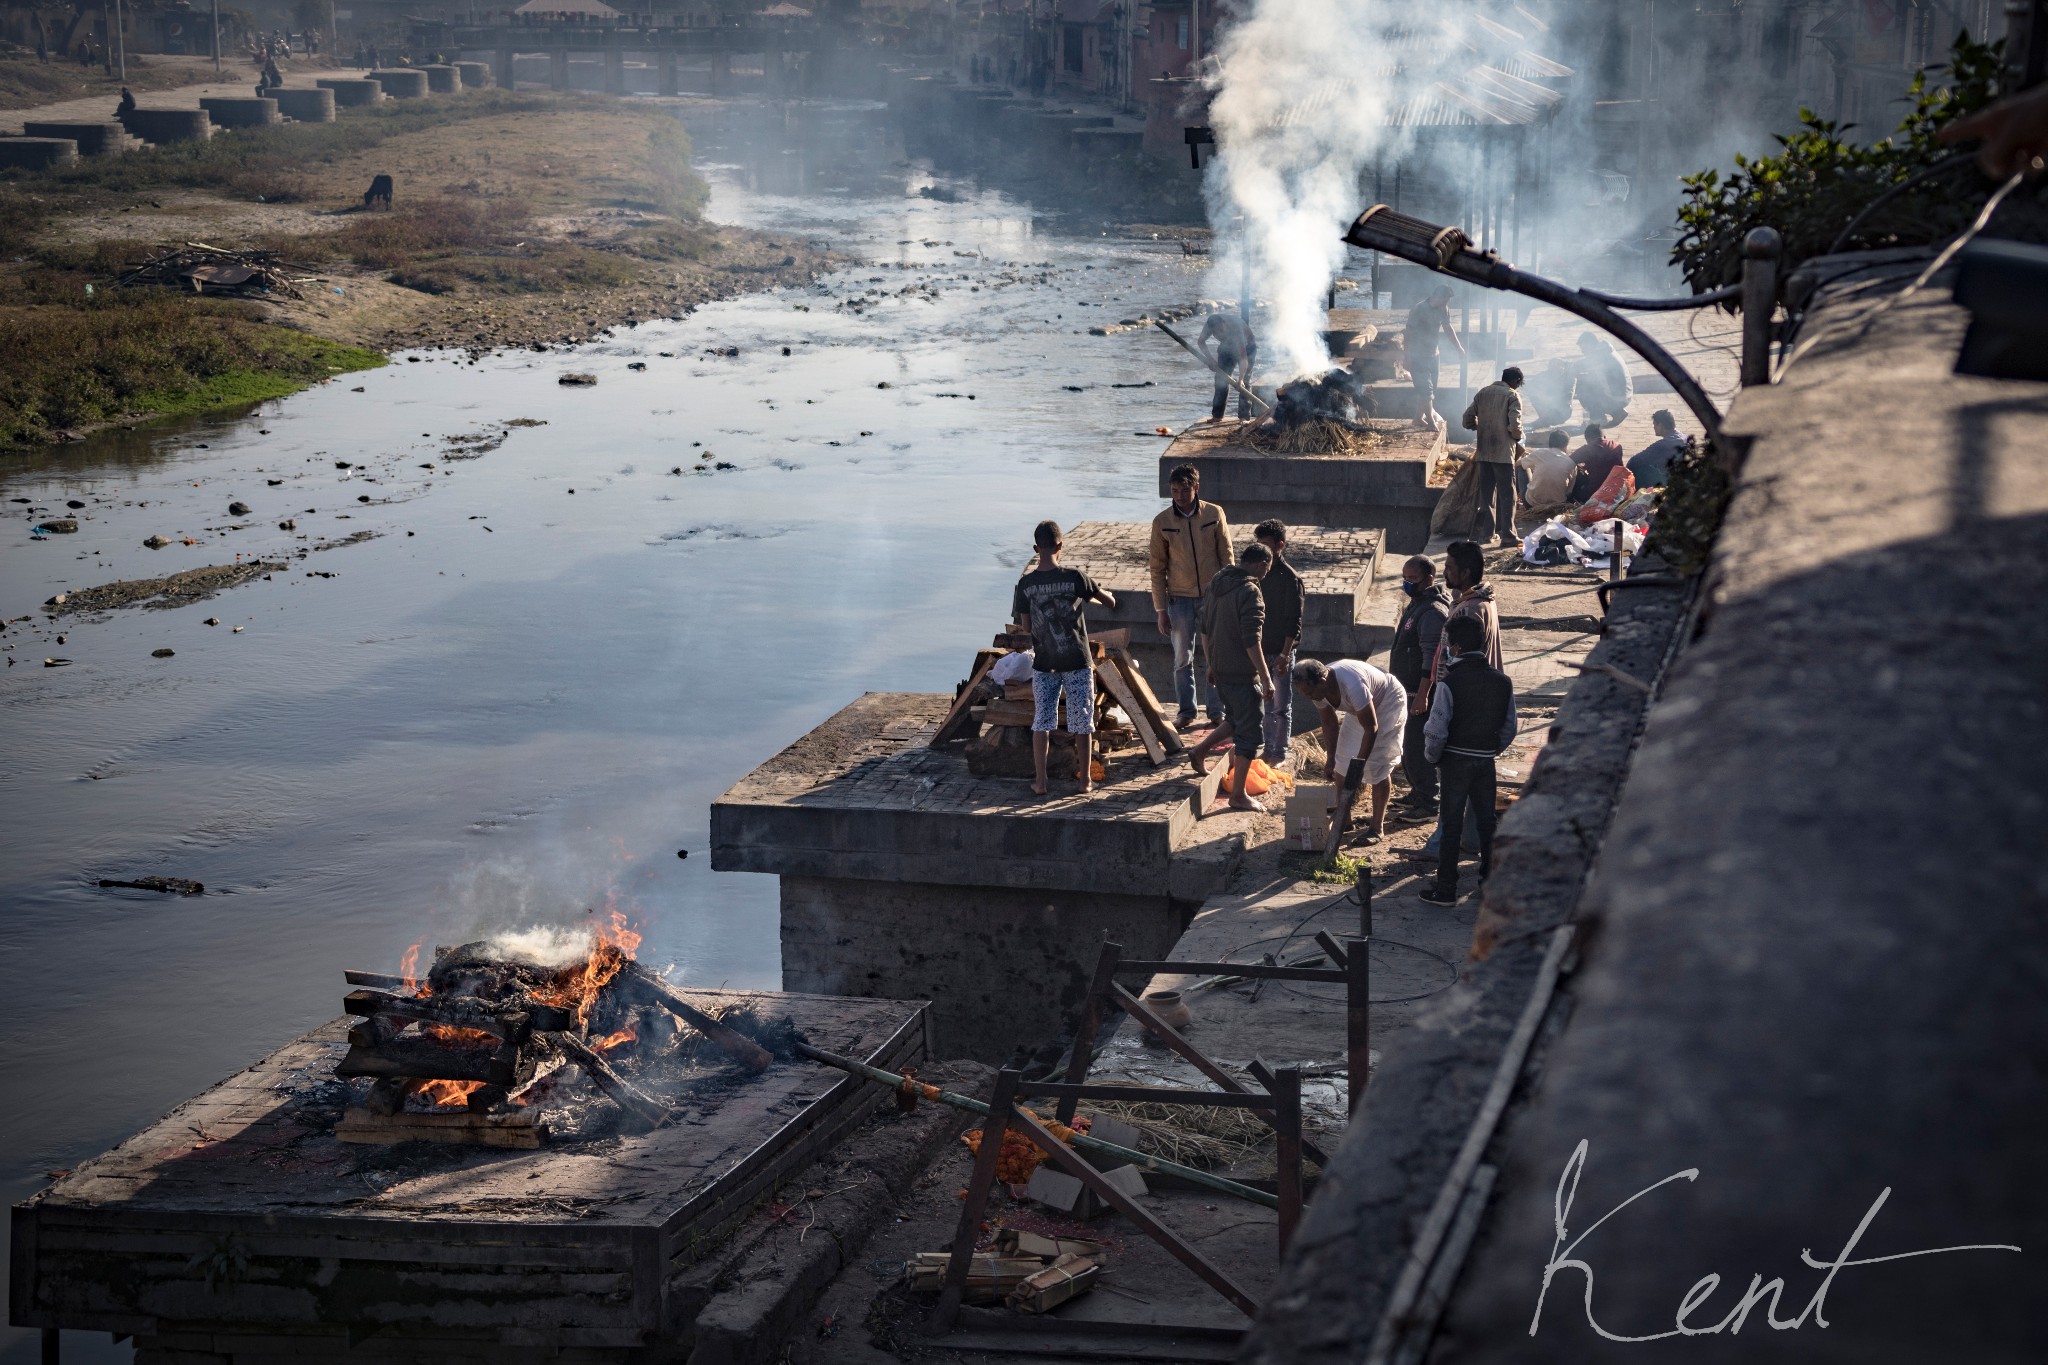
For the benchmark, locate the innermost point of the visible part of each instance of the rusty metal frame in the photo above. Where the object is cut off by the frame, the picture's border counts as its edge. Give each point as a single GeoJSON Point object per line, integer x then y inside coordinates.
{"type": "Point", "coordinates": [1284, 1102]}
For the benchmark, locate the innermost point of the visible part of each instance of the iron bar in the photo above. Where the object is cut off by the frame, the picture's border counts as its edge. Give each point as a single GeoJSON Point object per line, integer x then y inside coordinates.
{"type": "Point", "coordinates": [1760, 251]}
{"type": "Point", "coordinates": [1077, 1166]}
{"type": "Point", "coordinates": [1142, 1160]}
{"type": "Point", "coordinates": [1357, 1020]}
{"type": "Point", "coordinates": [1091, 1024]}
{"type": "Point", "coordinates": [1276, 973]}
{"type": "Point", "coordinates": [1635, 305]}
{"type": "Point", "coordinates": [986, 1156]}
{"type": "Point", "coordinates": [1286, 1088]}
{"type": "Point", "coordinates": [1144, 1094]}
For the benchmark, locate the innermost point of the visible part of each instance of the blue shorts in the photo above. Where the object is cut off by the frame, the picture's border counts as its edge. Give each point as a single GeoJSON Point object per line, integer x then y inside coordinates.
{"type": "Point", "coordinates": [1079, 685]}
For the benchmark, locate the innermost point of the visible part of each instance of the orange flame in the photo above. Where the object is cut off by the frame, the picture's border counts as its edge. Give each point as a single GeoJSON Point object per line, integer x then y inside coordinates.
{"type": "Point", "coordinates": [612, 947]}
{"type": "Point", "coordinates": [612, 1042]}
{"type": "Point", "coordinates": [459, 1037]}
{"type": "Point", "coordinates": [408, 967]}
{"type": "Point", "coordinates": [447, 1094]}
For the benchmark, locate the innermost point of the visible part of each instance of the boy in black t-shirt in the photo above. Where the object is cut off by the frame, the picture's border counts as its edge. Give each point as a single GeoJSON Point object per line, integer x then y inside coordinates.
{"type": "Point", "coordinates": [1050, 598]}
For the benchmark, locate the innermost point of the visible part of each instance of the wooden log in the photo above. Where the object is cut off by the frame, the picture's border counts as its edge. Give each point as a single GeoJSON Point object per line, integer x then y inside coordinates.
{"type": "Point", "coordinates": [956, 721]}
{"type": "Point", "coordinates": [638, 1104]}
{"type": "Point", "coordinates": [387, 1096]}
{"type": "Point", "coordinates": [1148, 703]}
{"type": "Point", "coordinates": [1008, 713]}
{"type": "Point", "coordinates": [520, 1130]}
{"type": "Point", "coordinates": [455, 1012]}
{"type": "Point", "coordinates": [1113, 679]}
{"type": "Point", "coordinates": [427, 1060]}
{"type": "Point", "coordinates": [650, 989]}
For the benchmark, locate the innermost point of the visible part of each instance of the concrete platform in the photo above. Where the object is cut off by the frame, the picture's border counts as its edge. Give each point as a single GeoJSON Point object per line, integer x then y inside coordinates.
{"type": "Point", "coordinates": [1387, 489]}
{"type": "Point", "coordinates": [900, 866]}
{"type": "Point", "coordinates": [1339, 566]}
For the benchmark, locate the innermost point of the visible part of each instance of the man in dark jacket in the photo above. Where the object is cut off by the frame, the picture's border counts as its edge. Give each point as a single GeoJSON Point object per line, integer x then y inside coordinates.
{"type": "Point", "coordinates": [1471, 722]}
{"type": "Point", "coordinates": [1286, 597]}
{"type": "Point", "coordinates": [1233, 628]}
{"type": "Point", "coordinates": [1415, 644]}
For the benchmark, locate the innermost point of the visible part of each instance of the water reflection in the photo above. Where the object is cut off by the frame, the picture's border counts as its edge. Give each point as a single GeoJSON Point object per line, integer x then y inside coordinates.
{"type": "Point", "coordinates": [517, 700]}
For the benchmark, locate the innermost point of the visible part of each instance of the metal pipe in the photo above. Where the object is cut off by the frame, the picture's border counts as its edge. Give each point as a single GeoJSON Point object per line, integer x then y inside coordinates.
{"type": "Point", "coordinates": [1446, 251]}
{"type": "Point", "coordinates": [1635, 305]}
{"type": "Point", "coordinates": [1082, 1142]}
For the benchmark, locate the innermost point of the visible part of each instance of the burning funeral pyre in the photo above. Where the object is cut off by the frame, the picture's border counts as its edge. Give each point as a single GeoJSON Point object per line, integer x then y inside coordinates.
{"type": "Point", "coordinates": [1316, 414]}
{"type": "Point", "coordinates": [493, 1047]}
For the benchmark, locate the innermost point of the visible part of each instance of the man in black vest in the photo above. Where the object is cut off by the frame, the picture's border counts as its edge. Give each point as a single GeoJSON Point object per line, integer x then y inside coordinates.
{"type": "Point", "coordinates": [1471, 720]}
{"type": "Point", "coordinates": [1415, 641]}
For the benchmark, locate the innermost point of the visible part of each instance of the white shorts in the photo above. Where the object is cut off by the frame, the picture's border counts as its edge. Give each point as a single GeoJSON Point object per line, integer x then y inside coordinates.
{"type": "Point", "coordinates": [1379, 764]}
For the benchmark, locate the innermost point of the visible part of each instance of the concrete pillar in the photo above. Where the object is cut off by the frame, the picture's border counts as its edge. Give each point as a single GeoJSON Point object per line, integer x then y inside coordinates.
{"type": "Point", "coordinates": [614, 71]}
{"type": "Point", "coordinates": [668, 84]}
{"type": "Point", "coordinates": [501, 68]}
{"type": "Point", "coordinates": [558, 69]}
{"type": "Point", "coordinates": [1001, 966]}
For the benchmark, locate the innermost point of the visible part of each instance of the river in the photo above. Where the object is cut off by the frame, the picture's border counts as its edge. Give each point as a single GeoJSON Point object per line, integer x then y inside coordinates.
{"type": "Point", "coordinates": [516, 701]}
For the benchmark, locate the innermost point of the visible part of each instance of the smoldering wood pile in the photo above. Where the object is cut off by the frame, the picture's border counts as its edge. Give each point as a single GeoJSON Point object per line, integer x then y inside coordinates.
{"type": "Point", "coordinates": [483, 1048]}
{"type": "Point", "coordinates": [995, 720]}
{"type": "Point", "coordinates": [207, 269]}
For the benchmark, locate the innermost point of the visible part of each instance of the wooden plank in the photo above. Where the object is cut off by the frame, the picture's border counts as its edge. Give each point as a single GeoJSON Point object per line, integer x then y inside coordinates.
{"type": "Point", "coordinates": [1147, 701]}
{"type": "Point", "coordinates": [957, 714]}
{"type": "Point", "coordinates": [1113, 679]}
{"type": "Point", "coordinates": [459, 1012]}
{"type": "Point", "coordinates": [427, 1062]}
{"type": "Point", "coordinates": [476, 1130]}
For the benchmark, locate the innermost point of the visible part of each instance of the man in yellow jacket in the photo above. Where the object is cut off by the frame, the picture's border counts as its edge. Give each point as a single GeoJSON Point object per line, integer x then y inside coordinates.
{"type": "Point", "coordinates": [1190, 545]}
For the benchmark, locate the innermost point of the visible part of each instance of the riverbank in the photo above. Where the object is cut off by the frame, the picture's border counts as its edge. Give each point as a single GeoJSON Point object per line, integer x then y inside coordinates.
{"type": "Point", "coordinates": [519, 219]}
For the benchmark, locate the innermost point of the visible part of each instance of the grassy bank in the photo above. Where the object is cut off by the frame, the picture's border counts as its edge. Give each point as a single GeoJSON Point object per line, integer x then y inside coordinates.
{"type": "Point", "coordinates": [65, 367]}
{"type": "Point", "coordinates": [520, 218]}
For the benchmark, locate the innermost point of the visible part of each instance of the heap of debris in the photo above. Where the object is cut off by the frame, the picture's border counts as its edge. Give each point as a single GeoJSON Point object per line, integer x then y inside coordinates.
{"type": "Point", "coordinates": [491, 1049]}
{"type": "Point", "coordinates": [245, 273]}
{"type": "Point", "coordinates": [994, 718]}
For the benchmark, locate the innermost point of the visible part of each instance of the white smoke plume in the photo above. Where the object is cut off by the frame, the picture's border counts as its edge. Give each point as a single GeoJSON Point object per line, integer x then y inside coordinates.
{"type": "Point", "coordinates": [1302, 90]}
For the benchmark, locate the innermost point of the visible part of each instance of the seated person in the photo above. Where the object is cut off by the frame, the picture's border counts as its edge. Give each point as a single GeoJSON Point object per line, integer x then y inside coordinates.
{"type": "Point", "coordinates": [1652, 464]}
{"type": "Point", "coordinates": [1596, 459]}
{"type": "Point", "coordinates": [1547, 395]}
{"type": "Point", "coordinates": [1550, 470]}
{"type": "Point", "coordinates": [1603, 384]}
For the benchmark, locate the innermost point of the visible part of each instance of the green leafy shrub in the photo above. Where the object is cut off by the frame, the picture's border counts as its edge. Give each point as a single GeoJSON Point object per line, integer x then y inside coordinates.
{"type": "Point", "coordinates": [1821, 180]}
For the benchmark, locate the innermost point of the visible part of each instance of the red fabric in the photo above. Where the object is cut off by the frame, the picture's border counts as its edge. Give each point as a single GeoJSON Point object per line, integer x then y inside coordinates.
{"type": "Point", "coordinates": [1619, 487]}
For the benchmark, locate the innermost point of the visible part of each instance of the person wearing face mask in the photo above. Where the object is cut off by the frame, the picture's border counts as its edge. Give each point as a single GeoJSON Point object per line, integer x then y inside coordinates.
{"type": "Point", "coordinates": [1415, 644]}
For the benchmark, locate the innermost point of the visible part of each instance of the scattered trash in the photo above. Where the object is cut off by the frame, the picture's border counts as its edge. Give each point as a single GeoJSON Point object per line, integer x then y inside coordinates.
{"type": "Point", "coordinates": [578, 380]}
{"type": "Point", "coordinates": [172, 886]}
{"type": "Point", "coordinates": [62, 526]}
{"type": "Point", "coordinates": [162, 653]}
{"type": "Point", "coordinates": [636, 364]}
{"type": "Point", "coordinates": [156, 542]}
{"type": "Point", "coordinates": [239, 629]}
{"type": "Point", "coordinates": [288, 524]}
{"type": "Point", "coordinates": [56, 663]}
{"type": "Point", "coordinates": [238, 509]}
{"type": "Point", "coordinates": [211, 621]}
{"type": "Point", "coordinates": [202, 268]}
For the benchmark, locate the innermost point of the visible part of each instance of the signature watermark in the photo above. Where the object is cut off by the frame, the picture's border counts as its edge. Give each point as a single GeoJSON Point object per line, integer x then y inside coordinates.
{"type": "Point", "coordinates": [1760, 1292]}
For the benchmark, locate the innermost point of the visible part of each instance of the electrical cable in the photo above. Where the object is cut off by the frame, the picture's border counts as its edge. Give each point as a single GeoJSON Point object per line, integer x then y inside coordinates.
{"type": "Point", "coordinates": [1920, 177]}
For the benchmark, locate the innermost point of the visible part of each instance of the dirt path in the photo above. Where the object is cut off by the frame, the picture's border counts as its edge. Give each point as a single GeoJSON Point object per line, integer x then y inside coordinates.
{"type": "Point", "coordinates": [164, 83]}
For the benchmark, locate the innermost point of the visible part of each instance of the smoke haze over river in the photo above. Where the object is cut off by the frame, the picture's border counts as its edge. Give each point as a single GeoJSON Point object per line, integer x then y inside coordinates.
{"type": "Point", "coordinates": [471, 729]}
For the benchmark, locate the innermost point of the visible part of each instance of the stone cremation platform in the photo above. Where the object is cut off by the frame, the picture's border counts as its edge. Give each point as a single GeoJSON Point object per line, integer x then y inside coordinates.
{"type": "Point", "coordinates": [1386, 487]}
{"type": "Point", "coordinates": [898, 866]}
{"type": "Point", "coordinates": [240, 1228]}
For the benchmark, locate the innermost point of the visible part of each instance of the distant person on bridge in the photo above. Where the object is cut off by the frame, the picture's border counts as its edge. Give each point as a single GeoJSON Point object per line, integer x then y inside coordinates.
{"type": "Point", "coordinates": [1429, 322]}
{"type": "Point", "coordinates": [1236, 347]}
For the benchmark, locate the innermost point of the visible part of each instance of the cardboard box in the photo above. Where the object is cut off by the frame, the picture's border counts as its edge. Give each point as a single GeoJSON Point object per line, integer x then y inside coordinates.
{"type": "Point", "coordinates": [1308, 822]}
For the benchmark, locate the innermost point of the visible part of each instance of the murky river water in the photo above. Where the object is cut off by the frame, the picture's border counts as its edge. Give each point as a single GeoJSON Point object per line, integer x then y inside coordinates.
{"type": "Point", "coordinates": [519, 699]}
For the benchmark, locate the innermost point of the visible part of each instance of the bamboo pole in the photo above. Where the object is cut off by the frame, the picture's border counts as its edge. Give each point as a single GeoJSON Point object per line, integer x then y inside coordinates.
{"type": "Point", "coordinates": [1082, 1142]}
{"type": "Point", "coordinates": [1263, 406]}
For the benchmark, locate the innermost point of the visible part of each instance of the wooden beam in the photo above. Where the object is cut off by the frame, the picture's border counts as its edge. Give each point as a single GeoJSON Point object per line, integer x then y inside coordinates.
{"type": "Point", "coordinates": [1147, 700]}
{"type": "Point", "coordinates": [957, 716]}
{"type": "Point", "coordinates": [455, 1012]}
{"type": "Point", "coordinates": [519, 1130]}
{"type": "Point", "coordinates": [637, 1103]}
{"type": "Point", "coordinates": [651, 989]}
{"type": "Point", "coordinates": [1141, 724]}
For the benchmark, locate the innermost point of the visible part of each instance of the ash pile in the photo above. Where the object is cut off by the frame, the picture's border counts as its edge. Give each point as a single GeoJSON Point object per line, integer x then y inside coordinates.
{"type": "Point", "coordinates": [497, 1048]}
{"type": "Point", "coordinates": [1317, 414]}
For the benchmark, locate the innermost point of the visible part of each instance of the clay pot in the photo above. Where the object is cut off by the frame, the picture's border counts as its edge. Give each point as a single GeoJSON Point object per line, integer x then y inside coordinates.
{"type": "Point", "coordinates": [1171, 1009]}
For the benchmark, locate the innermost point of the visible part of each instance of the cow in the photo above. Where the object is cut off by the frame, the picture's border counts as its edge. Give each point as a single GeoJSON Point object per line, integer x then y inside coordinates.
{"type": "Point", "coordinates": [379, 192]}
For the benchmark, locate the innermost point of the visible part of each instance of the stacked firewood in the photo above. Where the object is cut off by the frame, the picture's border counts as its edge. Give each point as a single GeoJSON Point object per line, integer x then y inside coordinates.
{"type": "Point", "coordinates": [463, 1054]}
{"type": "Point", "coordinates": [995, 721]}
{"type": "Point", "coordinates": [207, 269]}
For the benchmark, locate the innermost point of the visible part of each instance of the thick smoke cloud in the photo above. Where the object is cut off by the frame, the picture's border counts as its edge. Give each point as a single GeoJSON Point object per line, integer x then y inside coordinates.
{"type": "Point", "coordinates": [1301, 97]}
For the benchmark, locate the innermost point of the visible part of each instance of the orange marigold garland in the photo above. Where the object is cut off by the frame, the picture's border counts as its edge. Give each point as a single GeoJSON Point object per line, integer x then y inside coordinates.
{"type": "Point", "coordinates": [1020, 1155]}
